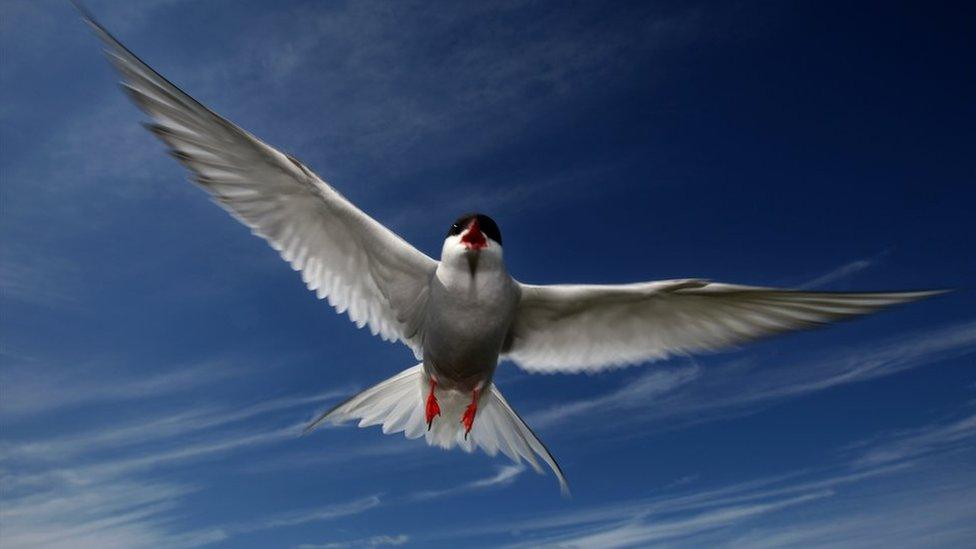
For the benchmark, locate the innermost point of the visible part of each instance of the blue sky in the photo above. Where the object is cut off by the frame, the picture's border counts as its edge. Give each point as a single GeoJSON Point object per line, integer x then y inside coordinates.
{"type": "Point", "coordinates": [158, 362]}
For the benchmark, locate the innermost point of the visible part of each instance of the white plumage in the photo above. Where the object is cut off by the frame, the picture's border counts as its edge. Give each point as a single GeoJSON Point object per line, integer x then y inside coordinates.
{"type": "Point", "coordinates": [575, 328]}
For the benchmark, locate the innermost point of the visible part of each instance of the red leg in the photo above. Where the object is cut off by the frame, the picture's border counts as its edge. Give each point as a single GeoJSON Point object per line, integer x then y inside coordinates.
{"type": "Point", "coordinates": [468, 418]}
{"type": "Point", "coordinates": [433, 409]}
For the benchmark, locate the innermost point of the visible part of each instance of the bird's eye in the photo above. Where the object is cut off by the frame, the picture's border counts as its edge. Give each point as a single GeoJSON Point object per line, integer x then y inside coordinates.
{"type": "Point", "coordinates": [455, 229]}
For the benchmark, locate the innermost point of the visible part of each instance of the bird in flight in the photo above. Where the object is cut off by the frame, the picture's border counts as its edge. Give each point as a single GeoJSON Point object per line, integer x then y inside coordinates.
{"type": "Point", "coordinates": [463, 314]}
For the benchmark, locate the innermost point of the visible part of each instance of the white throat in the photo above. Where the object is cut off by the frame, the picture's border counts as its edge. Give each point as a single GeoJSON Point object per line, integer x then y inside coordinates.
{"type": "Point", "coordinates": [462, 267]}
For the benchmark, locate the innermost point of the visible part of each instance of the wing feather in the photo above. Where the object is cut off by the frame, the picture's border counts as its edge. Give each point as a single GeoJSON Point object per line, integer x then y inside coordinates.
{"type": "Point", "coordinates": [358, 265]}
{"type": "Point", "coordinates": [573, 328]}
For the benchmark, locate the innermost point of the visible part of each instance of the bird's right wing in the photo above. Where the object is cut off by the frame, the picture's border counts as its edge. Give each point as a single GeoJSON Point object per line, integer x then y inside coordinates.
{"type": "Point", "coordinates": [572, 328]}
{"type": "Point", "coordinates": [363, 268]}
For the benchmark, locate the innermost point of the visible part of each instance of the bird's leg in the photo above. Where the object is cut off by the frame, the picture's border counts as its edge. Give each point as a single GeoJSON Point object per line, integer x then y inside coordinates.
{"type": "Point", "coordinates": [433, 409]}
{"type": "Point", "coordinates": [468, 418]}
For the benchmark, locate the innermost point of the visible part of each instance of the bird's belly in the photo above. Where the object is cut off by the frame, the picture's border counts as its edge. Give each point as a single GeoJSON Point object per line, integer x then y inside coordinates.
{"type": "Point", "coordinates": [462, 349]}
{"type": "Point", "coordinates": [464, 335]}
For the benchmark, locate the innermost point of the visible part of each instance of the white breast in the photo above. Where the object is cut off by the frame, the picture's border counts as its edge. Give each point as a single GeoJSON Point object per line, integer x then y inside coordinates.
{"type": "Point", "coordinates": [468, 318]}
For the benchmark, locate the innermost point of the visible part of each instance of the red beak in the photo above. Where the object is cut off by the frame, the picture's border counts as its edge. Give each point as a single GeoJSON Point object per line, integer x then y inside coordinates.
{"type": "Point", "coordinates": [473, 238]}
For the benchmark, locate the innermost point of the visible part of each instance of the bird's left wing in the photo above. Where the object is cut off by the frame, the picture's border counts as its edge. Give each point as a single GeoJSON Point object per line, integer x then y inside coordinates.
{"type": "Point", "coordinates": [573, 328]}
{"type": "Point", "coordinates": [344, 255]}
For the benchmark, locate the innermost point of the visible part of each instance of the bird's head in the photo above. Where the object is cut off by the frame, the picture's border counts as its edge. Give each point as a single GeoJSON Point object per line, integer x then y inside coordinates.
{"type": "Point", "coordinates": [474, 239]}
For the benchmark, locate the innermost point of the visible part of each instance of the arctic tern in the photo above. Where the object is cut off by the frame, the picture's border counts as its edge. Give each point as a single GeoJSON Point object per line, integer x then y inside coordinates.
{"type": "Point", "coordinates": [463, 314]}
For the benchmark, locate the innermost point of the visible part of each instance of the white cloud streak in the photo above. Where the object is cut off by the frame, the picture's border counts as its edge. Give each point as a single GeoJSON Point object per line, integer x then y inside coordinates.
{"type": "Point", "coordinates": [846, 270]}
{"type": "Point", "coordinates": [64, 504]}
{"type": "Point", "coordinates": [933, 509]}
{"type": "Point", "coordinates": [118, 514]}
{"type": "Point", "coordinates": [35, 279]}
{"type": "Point", "coordinates": [318, 514]}
{"type": "Point", "coordinates": [372, 541]}
{"type": "Point", "coordinates": [31, 389]}
{"type": "Point", "coordinates": [914, 443]}
{"type": "Point", "coordinates": [98, 487]}
{"type": "Point", "coordinates": [135, 433]}
{"type": "Point", "coordinates": [506, 475]}
{"type": "Point", "coordinates": [639, 533]}
{"type": "Point", "coordinates": [635, 394]}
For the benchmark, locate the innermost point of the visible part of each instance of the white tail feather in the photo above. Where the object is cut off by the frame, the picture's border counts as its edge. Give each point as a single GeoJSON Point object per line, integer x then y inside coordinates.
{"type": "Point", "coordinates": [398, 405]}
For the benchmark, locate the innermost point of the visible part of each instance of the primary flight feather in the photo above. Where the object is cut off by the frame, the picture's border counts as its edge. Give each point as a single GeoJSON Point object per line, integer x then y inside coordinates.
{"type": "Point", "coordinates": [463, 314]}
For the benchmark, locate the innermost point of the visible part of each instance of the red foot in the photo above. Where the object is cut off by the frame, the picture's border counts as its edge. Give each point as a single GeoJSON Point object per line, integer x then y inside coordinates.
{"type": "Point", "coordinates": [433, 409]}
{"type": "Point", "coordinates": [468, 418]}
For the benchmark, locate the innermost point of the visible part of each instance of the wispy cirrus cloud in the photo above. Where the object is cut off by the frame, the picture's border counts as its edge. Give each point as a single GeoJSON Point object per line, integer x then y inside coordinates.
{"type": "Point", "coordinates": [97, 486]}
{"type": "Point", "coordinates": [69, 491]}
{"type": "Point", "coordinates": [639, 533]}
{"type": "Point", "coordinates": [909, 499]}
{"type": "Point", "coordinates": [917, 442]}
{"type": "Point", "coordinates": [929, 508]}
{"type": "Point", "coordinates": [633, 395]}
{"type": "Point", "coordinates": [749, 494]}
{"type": "Point", "coordinates": [34, 279]}
{"type": "Point", "coordinates": [846, 270]}
{"type": "Point", "coordinates": [173, 425]}
{"type": "Point", "coordinates": [372, 541]}
{"type": "Point", "coordinates": [138, 514]}
{"type": "Point", "coordinates": [31, 389]}
{"type": "Point", "coordinates": [505, 476]}
{"type": "Point", "coordinates": [101, 486]}
{"type": "Point", "coordinates": [118, 514]}
{"type": "Point", "coordinates": [316, 514]}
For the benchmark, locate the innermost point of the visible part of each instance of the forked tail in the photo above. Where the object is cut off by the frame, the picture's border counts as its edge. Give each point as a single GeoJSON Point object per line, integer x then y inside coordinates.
{"type": "Point", "coordinates": [398, 405]}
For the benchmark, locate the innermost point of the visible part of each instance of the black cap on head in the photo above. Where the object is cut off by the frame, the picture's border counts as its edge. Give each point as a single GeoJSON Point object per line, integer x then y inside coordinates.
{"type": "Point", "coordinates": [487, 224]}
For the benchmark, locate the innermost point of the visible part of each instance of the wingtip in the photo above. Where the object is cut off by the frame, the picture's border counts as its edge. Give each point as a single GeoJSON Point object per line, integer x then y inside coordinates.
{"type": "Point", "coordinates": [314, 424]}
{"type": "Point", "coordinates": [81, 9]}
{"type": "Point", "coordinates": [925, 294]}
{"type": "Point", "coordinates": [86, 15]}
{"type": "Point", "coordinates": [101, 32]}
{"type": "Point", "coordinates": [324, 416]}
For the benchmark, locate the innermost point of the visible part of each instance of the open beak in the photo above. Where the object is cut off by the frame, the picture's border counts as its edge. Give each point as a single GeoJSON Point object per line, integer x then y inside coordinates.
{"type": "Point", "coordinates": [473, 238]}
